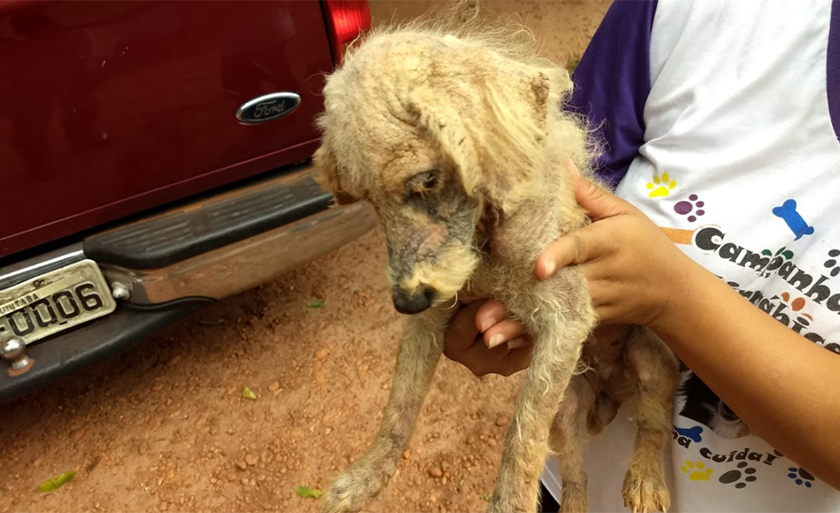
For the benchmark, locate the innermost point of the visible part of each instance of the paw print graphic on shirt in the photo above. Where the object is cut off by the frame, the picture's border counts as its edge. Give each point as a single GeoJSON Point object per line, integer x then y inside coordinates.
{"type": "Point", "coordinates": [832, 263]}
{"type": "Point", "coordinates": [661, 187]}
{"type": "Point", "coordinates": [800, 476]}
{"type": "Point", "coordinates": [696, 471]}
{"type": "Point", "coordinates": [781, 255]}
{"type": "Point", "coordinates": [740, 477]}
{"type": "Point", "coordinates": [691, 209]}
{"type": "Point", "coordinates": [796, 305]}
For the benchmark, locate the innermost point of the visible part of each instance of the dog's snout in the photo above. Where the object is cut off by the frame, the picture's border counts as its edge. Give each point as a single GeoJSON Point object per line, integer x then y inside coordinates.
{"type": "Point", "coordinates": [406, 303]}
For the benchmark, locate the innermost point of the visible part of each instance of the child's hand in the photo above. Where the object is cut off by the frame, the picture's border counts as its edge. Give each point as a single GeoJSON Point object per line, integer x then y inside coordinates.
{"type": "Point", "coordinates": [462, 343]}
{"type": "Point", "coordinates": [633, 270]}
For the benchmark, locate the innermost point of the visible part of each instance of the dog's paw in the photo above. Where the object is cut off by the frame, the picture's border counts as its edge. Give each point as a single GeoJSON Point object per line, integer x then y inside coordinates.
{"type": "Point", "coordinates": [573, 498]}
{"type": "Point", "coordinates": [645, 493]}
{"type": "Point", "coordinates": [350, 491]}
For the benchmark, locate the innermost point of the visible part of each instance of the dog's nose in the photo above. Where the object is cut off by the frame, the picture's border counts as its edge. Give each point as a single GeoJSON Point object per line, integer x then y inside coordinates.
{"type": "Point", "coordinates": [412, 303]}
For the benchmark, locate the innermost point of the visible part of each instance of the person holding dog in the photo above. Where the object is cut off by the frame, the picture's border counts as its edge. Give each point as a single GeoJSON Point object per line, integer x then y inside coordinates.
{"type": "Point", "coordinates": [719, 123]}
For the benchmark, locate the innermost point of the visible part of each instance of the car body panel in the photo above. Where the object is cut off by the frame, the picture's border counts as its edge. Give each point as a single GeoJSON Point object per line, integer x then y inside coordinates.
{"type": "Point", "coordinates": [111, 108]}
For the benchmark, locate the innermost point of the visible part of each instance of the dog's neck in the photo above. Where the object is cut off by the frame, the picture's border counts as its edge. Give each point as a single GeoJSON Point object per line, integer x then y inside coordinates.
{"type": "Point", "coordinates": [517, 236]}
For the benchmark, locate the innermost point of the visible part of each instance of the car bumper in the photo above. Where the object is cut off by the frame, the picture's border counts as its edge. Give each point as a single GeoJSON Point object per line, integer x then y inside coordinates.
{"type": "Point", "coordinates": [209, 261]}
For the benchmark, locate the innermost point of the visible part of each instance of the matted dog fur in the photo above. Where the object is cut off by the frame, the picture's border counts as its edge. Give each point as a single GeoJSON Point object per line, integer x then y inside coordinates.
{"type": "Point", "coordinates": [454, 133]}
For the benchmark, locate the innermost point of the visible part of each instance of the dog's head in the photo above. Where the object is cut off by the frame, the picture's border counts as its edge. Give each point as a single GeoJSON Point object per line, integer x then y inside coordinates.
{"type": "Point", "coordinates": [435, 131]}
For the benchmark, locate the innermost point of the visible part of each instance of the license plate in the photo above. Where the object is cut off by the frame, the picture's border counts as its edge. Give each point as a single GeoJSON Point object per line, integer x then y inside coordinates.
{"type": "Point", "coordinates": [54, 302]}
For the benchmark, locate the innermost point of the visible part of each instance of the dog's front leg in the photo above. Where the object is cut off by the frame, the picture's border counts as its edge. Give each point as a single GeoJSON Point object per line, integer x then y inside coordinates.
{"type": "Point", "coordinates": [420, 350]}
{"type": "Point", "coordinates": [558, 329]}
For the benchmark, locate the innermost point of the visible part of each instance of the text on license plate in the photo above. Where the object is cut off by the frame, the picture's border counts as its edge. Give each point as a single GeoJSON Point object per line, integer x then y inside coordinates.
{"type": "Point", "coordinates": [54, 302]}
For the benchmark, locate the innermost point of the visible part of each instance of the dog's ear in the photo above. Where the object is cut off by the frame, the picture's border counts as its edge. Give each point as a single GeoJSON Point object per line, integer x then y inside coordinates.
{"type": "Point", "coordinates": [446, 126]}
{"type": "Point", "coordinates": [328, 176]}
{"type": "Point", "coordinates": [492, 126]}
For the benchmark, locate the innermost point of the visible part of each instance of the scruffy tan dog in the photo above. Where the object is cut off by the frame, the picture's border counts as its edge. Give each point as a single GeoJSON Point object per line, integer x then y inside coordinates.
{"type": "Point", "coordinates": [457, 138]}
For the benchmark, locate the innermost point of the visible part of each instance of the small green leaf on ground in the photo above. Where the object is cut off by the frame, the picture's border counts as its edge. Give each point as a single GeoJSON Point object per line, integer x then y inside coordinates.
{"type": "Point", "coordinates": [56, 482]}
{"type": "Point", "coordinates": [247, 393]}
{"type": "Point", "coordinates": [485, 498]}
{"type": "Point", "coordinates": [308, 493]}
{"type": "Point", "coordinates": [573, 63]}
{"type": "Point", "coordinates": [316, 304]}
{"type": "Point", "coordinates": [211, 322]}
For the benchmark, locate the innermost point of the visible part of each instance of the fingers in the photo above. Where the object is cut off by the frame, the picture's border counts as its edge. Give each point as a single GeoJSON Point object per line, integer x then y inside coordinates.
{"type": "Point", "coordinates": [589, 242]}
{"type": "Point", "coordinates": [521, 341]}
{"type": "Point", "coordinates": [463, 342]}
{"type": "Point", "coordinates": [505, 331]}
{"type": "Point", "coordinates": [516, 360]}
{"type": "Point", "coordinates": [598, 202]}
{"type": "Point", "coordinates": [491, 320]}
{"type": "Point", "coordinates": [461, 333]}
{"type": "Point", "coordinates": [489, 313]}
{"type": "Point", "coordinates": [500, 360]}
{"type": "Point", "coordinates": [577, 247]}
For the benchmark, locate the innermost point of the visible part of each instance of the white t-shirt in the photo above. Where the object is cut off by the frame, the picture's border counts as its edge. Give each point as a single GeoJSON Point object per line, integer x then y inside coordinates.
{"type": "Point", "coordinates": [731, 145]}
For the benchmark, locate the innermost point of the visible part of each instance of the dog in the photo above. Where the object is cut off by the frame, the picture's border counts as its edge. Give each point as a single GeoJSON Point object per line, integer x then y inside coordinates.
{"type": "Point", "coordinates": [701, 404]}
{"type": "Point", "coordinates": [455, 135]}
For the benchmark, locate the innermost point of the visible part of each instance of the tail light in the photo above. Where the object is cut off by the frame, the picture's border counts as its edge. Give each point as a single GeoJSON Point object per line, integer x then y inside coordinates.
{"type": "Point", "coordinates": [346, 19]}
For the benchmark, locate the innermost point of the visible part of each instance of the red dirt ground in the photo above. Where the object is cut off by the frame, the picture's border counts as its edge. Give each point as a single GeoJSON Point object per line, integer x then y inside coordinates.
{"type": "Point", "coordinates": [163, 427]}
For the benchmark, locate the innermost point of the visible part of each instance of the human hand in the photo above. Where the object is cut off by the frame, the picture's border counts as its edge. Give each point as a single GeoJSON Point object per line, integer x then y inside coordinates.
{"type": "Point", "coordinates": [467, 338]}
{"type": "Point", "coordinates": [633, 270]}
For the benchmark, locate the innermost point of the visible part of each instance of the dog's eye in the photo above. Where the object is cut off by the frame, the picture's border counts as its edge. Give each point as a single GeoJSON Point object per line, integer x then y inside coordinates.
{"type": "Point", "coordinates": [422, 184]}
{"type": "Point", "coordinates": [430, 181]}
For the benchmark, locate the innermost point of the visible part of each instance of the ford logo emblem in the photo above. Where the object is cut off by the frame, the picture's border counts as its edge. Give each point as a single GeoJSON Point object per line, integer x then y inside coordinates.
{"type": "Point", "coordinates": [267, 108]}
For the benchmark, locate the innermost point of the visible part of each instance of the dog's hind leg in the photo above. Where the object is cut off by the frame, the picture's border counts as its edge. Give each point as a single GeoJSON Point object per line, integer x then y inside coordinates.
{"type": "Point", "coordinates": [420, 350]}
{"type": "Point", "coordinates": [566, 442]}
{"type": "Point", "coordinates": [657, 375]}
{"type": "Point", "coordinates": [558, 331]}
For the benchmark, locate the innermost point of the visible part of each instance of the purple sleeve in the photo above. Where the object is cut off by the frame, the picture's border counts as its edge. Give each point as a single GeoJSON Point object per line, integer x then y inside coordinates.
{"type": "Point", "coordinates": [612, 83]}
{"type": "Point", "coordinates": [833, 69]}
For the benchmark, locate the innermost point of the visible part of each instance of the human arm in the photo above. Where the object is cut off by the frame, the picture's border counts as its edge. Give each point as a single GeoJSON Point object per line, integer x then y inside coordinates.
{"type": "Point", "coordinates": [781, 385]}
{"type": "Point", "coordinates": [768, 374]}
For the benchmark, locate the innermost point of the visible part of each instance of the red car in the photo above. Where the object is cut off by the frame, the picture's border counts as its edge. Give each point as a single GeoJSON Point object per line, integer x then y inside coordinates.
{"type": "Point", "coordinates": [154, 158]}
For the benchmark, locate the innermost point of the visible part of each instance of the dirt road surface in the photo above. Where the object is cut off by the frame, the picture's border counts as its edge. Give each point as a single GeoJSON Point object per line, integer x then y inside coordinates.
{"type": "Point", "coordinates": [164, 427]}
